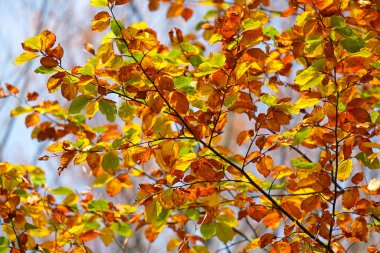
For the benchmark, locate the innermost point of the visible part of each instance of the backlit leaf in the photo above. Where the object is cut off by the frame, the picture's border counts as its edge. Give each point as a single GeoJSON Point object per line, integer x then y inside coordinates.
{"type": "Point", "coordinates": [25, 57]}
{"type": "Point", "coordinates": [344, 169]}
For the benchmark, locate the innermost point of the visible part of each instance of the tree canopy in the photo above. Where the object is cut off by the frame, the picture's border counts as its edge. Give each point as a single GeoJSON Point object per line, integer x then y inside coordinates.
{"type": "Point", "coordinates": [244, 134]}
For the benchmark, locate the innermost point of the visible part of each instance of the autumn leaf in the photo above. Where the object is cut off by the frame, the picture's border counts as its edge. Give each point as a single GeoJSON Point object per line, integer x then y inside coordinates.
{"type": "Point", "coordinates": [101, 21]}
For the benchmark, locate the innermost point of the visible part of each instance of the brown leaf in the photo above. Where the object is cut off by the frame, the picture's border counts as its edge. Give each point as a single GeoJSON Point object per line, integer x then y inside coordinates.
{"type": "Point", "coordinates": [347, 147]}
{"type": "Point", "coordinates": [358, 115]}
{"type": "Point", "coordinates": [66, 158]}
{"type": "Point", "coordinates": [93, 160]}
{"type": "Point", "coordinates": [179, 102]}
{"type": "Point", "coordinates": [311, 203]}
{"type": "Point", "coordinates": [357, 178]}
{"type": "Point", "coordinates": [69, 90]}
{"type": "Point", "coordinates": [55, 81]}
{"type": "Point", "coordinates": [266, 239]}
{"type": "Point", "coordinates": [264, 165]}
{"type": "Point", "coordinates": [48, 62]}
{"type": "Point", "coordinates": [32, 96]}
{"type": "Point", "coordinates": [293, 209]}
{"type": "Point", "coordinates": [350, 198]}
{"type": "Point", "coordinates": [57, 52]}
{"type": "Point", "coordinates": [359, 229]}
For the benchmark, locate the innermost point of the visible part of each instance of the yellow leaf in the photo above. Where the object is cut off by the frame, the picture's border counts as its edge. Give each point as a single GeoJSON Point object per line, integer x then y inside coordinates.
{"type": "Point", "coordinates": [254, 244]}
{"type": "Point", "coordinates": [344, 169]}
{"type": "Point", "coordinates": [173, 244]}
{"type": "Point", "coordinates": [8, 231]}
{"type": "Point", "coordinates": [25, 57]}
{"type": "Point", "coordinates": [106, 235]}
{"type": "Point", "coordinates": [39, 232]}
{"type": "Point", "coordinates": [92, 108]}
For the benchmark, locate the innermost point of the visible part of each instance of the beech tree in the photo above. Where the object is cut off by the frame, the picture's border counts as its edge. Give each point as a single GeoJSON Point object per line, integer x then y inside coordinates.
{"type": "Point", "coordinates": [309, 90]}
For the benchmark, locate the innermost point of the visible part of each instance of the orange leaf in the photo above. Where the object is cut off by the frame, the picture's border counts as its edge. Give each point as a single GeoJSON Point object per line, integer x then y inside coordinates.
{"type": "Point", "coordinates": [293, 209]}
{"type": "Point", "coordinates": [264, 165]}
{"type": "Point", "coordinates": [175, 10]}
{"type": "Point", "coordinates": [242, 137]}
{"type": "Point", "coordinates": [358, 114]}
{"type": "Point", "coordinates": [55, 81]}
{"type": "Point", "coordinates": [47, 39]}
{"type": "Point", "coordinates": [257, 212]}
{"type": "Point", "coordinates": [350, 198]}
{"type": "Point", "coordinates": [357, 178]}
{"type": "Point", "coordinates": [113, 187]}
{"type": "Point", "coordinates": [187, 13]}
{"type": "Point", "coordinates": [311, 203]}
{"type": "Point", "coordinates": [12, 89]}
{"type": "Point", "coordinates": [179, 102]}
{"type": "Point", "coordinates": [281, 247]}
{"type": "Point", "coordinates": [57, 52]}
{"type": "Point", "coordinates": [359, 229]}
{"type": "Point", "coordinates": [101, 21]}
{"type": "Point", "coordinates": [288, 12]}
{"type": "Point", "coordinates": [31, 96]}
{"type": "Point", "coordinates": [266, 239]}
{"type": "Point", "coordinates": [93, 160]}
{"type": "Point", "coordinates": [89, 235]}
{"type": "Point", "coordinates": [32, 119]}
{"type": "Point", "coordinates": [272, 219]}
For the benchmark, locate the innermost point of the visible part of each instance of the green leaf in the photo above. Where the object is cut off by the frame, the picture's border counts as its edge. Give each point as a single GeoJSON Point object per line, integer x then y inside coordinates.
{"type": "Point", "coordinates": [62, 190]}
{"type": "Point", "coordinates": [189, 48]}
{"type": "Point", "coordinates": [98, 205]}
{"type": "Point", "coordinates": [122, 228]}
{"type": "Point", "coordinates": [4, 244]}
{"type": "Point", "coordinates": [78, 104]}
{"type": "Point", "coordinates": [270, 31]}
{"type": "Point", "coordinates": [115, 26]}
{"type": "Point", "coordinates": [217, 60]}
{"type": "Point", "coordinates": [309, 78]}
{"type": "Point", "coordinates": [152, 211]}
{"type": "Point", "coordinates": [301, 135]}
{"type": "Point", "coordinates": [108, 108]}
{"type": "Point", "coordinates": [43, 70]}
{"type": "Point", "coordinates": [192, 214]}
{"type": "Point", "coordinates": [224, 232]}
{"type": "Point", "coordinates": [127, 112]}
{"type": "Point", "coordinates": [110, 161]}
{"type": "Point", "coordinates": [353, 44]}
{"type": "Point", "coordinates": [21, 110]}
{"type": "Point", "coordinates": [301, 163]}
{"type": "Point", "coordinates": [208, 230]}
{"type": "Point", "coordinates": [99, 3]}
{"type": "Point", "coordinates": [37, 176]}
{"type": "Point", "coordinates": [25, 57]}
{"type": "Point", "coordinates": [369, 163]}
